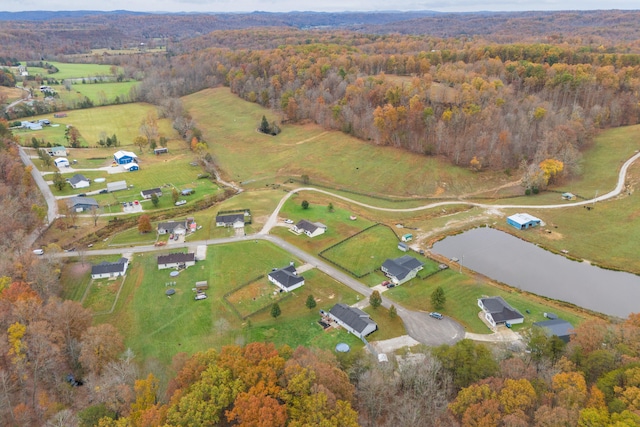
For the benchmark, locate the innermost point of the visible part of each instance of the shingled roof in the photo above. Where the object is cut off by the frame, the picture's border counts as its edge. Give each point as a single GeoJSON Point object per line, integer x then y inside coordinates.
{"type": "Point", "coordinates": [179, 258]}
{"type": "Point", "coordinates": [286, 276]}
{"type": "Point", "coordinates": [357, 319]}
{"type": "Point", "coordinates": [110, 267]}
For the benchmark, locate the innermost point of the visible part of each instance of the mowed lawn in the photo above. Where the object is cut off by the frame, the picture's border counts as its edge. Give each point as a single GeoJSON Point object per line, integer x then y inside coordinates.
{"type": "Point", "coordinates": [157, 327]}
{"type": "Point", "coordinates": [462, 293]}
{"type": "Point", "coordinates": [329, 157]}
{"type": "Point", "coordinates": [102, 93]}
{"type": "Point", "coordinates": [70, 70]}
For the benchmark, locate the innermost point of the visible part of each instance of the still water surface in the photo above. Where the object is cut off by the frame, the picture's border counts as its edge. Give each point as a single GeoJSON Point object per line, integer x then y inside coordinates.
{"type": "Point", "coordinates": [524, 265]}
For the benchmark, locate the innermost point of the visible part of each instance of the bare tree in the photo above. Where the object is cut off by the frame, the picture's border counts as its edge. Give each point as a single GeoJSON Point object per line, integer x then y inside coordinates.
{"type": "Point", "coordinates": [95, 215]}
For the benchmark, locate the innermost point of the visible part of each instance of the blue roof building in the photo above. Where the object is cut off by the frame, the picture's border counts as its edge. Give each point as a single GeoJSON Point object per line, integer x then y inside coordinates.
{"type": "Point", "coordinates": [523, 221]}
{"type": "Point", "coordinates": [123, 157]}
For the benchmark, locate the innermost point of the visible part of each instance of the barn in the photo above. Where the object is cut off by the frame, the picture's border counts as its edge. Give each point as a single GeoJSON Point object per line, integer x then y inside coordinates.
{"type": "Point", "coordinates": [523, 221]}
{"type": "Point", "coordinates": [123, 157]}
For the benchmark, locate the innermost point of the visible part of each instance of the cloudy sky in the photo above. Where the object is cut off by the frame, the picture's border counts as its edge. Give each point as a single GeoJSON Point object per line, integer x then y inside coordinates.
{"type": "Point", "coordinates": [317, 5]}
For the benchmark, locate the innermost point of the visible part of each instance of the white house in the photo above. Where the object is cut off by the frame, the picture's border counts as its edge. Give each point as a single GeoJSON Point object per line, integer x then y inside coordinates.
{"type": "Point", "coordinates": [79, 181]}
{"type": "Point", "coordinates": [147, 194]}
{"type": "Point", "coordinates": [177, 260]}
{"type": "Point", "coordinates": [286, 278]}
{"type": "Point", "coordinates": [497, 311]}
{"type": "Point", "coordinates": [311, 229]}
{"type": "Point", "coordinates": [109, 269]}
{"type": "Point", "coordinates": [353, 320]}
{"type": "Point", "coordinates": [57, 151]}
{"type": "Point", "coordinates": [62, 162]}
{"type": "Point", "coordinates": [401, 270]}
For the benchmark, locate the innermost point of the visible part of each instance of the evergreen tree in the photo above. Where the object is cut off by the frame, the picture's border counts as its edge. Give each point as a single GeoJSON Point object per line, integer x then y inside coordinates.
{"type": "Point", "coordinates": [305, 204]}
{"type": "Point", "coordinates": [275, 310]}
{"type": "Point", "coordinates": [155, 199]}
{"type": "Point", "coordinates": [393, 313]}
{"type": "Point", "coordinates": [311, 302]}
{"type": "Point", "coordinates": [264, 125]}
{"type": "Point", "coordinates": [375, 299]}
{"type": "Point", "coordinates": [438, 299]}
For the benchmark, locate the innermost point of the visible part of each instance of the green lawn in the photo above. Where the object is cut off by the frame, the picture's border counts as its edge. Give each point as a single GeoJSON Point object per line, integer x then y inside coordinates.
{"type": "Point", "coordinates": [99, 93]}
{"type": "Point", "coordinates": [71, 70]}
{"type": "Point", "coordinates": [102, 294]}
{"type": "Point", "coordinates": [462, 293]}
{"type": "Point", "coordinates": [157, 327]}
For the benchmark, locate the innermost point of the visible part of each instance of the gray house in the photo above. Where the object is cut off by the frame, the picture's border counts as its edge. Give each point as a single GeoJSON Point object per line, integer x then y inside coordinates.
{"type": "Point", "coordinates": [176, 227]}
{"type": "Point", "coordinates": [79, 181]}
{"type": "Point", "coordinates": [109, 269]}
{"type": "Point", "coordinates": [558, 327]}
{"type": "Point", "coordinates": [497, 311]}
{"type": "Point", "coordinates": [235, 220]}
{"type": "Point", "coordinates": [353, 320]}
{"type": "Point", "coordinates": [147, 194]}
{"type": "Point", "coordinates": [286, 278]}
{"type": "Point", "coordinates": [177, 260]}
{"type": "Point", "coordinates": [81, 204]}
{"type": "Point", "coordinates": [401, 270]}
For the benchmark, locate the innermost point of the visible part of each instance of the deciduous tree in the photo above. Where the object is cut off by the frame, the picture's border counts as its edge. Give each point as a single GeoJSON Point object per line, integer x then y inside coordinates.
{"type": "Point", "coordinates": [375, 299]}
{"type": "Point", "coordinates": [144, 224]}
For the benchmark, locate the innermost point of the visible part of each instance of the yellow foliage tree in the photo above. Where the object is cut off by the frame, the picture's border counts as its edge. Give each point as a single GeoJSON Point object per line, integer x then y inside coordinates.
{"type": "Point", "coordinates": [551, 168]}
{"type": "Point", "coordinates": [517, 395]}
{"type": "Point", "coordinates": [17, 347]}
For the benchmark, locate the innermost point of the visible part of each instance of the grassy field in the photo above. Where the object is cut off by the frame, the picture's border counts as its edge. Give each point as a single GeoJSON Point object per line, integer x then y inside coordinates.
{"type": "Point", "coordinates": [325, 156]}
{"type": "Point", "coordinates": [102, 294]}
{"type": "Point", "coordinates": [462, 293]}
{"type": "Point", "coordinates": [69, 70]}
{"type": "Point", "coordinates": [122, 120]}
{"type": "Point", "coordinates": [157, 327]}
{"type": "Point", "coordinates": [99, 93]}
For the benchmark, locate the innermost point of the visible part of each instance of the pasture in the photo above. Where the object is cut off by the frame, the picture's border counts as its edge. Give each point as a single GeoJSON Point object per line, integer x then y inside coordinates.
{"type": "Point", "coordinates": [103, 93]}
{"type": "Point", "coordinates": [71, 70]}
{"type": "Point", "coordinates": [327, 157]}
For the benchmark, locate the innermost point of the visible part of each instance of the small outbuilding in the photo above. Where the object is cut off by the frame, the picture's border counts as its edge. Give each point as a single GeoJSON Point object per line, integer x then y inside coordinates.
{"type": "Point", "coordinates": [202, 285]}
{"type": "Point", "coordinates": [407, 237]}
{"type": "Point", "coordinates": [116, 186]}
{"type": "Point", "coordinates": [61, 162]}
{"type": "Point", "coordinates": [131, 167]}
{"type": "Point", "coordinates": [568, 196]}
{"type": "Point", "coordinates": [523, 221]}
{"type": "Point", "coordinates": [160, 150]}
{"type": "Point", "coordinates": [403, 246]}
{"type": "Point", "coordinates": [558, 327]}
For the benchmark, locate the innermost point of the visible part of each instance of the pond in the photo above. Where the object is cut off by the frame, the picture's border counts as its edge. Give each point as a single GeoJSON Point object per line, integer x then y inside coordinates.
{"type": "Point", "coordinates": [524, 265]}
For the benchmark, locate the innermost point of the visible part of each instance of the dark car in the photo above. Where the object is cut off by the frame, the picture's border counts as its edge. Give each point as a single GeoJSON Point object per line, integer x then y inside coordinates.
{"type": "Point", "coordinates": [82, 195]}
{"type": "Point", "coordinates": [391, 285]}
{"type": "Point", "coordinates": [74, 382]}
{"type": "Point", "coordinates": [436, 315]}
{"type": "Point", "coordinates": [104, 191]}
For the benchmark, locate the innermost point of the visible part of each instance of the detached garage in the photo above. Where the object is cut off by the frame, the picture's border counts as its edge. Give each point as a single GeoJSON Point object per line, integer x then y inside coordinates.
{"type": "Point", "coordinates": [523, 221]}
{"type": "Point", "coordinates": [115, 186]}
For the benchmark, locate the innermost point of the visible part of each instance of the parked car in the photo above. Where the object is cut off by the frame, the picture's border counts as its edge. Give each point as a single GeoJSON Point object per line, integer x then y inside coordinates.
{"type": "Point", "coordinates": [443, 266]}
{"type": "Point", "coordinates": [288, 221]}
{"type": "Point", "coordinates": [103, 191]}
{"type": "Point", "coordinates": [181, 202]}
{"type": "Point", "coordinates": [391, 285]}
{"type": "Point", "coordinates": [135, 202]}
{"type": "Point", "coordinates": [82, 195]}
{"type": "Point", "coordinates": [38, 251]}
{"type": "Point", "coordinates": [386, 283]}
{"type": "Point", "coordinates": [436, 315]}
{"type": "Point", "coordinates": [200, 296]}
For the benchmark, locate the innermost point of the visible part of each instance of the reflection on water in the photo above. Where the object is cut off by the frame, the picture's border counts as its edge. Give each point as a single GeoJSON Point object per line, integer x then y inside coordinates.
{"type": "Point", "coordinates": [523, 265]}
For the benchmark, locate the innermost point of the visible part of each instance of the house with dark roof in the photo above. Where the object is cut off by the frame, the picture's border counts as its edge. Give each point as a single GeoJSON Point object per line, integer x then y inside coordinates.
{"type": "Point", "coordinates": [147, 194]}
{"type": "Point", "coordinates": [235, 220]}
{"type": "Point", "coordinates": [401, 270]}
{"type": "Point", "coordinates": [286, 278]}
{"type": "Point", "coordinates": [79, 181]}
{"type": "Point", "coordinates": [353, 320]}
{"type": "Point", "coordinates": [81, 204]}
{"type": "Point", "coordinates": [109, 269]}
{"type": "Point", "coordinates": [497, 311]}
{"type": "Point", "coordinates": [175, 227]}
{"type": "Point", "coordinates": [176, 260]}
{"type": "Point", "coordinates": [311, 229]}
{"type": "Point", "coordinates": [558, 327]}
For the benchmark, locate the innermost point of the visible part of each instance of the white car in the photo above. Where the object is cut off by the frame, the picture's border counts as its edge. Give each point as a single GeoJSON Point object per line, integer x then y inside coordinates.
{"type": "Point", "coordinates": [200, 296]}
{"type": "Point", "coordinates": [38, 251]}
{"type": "Point", "coordinates": [288, 221]}
{"type": "Point", "coordinates": [181, 202]}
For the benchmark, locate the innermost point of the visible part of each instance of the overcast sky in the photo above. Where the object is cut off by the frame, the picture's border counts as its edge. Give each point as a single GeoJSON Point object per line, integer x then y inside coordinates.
{"type": "Point", "coordinates": [317, 5]}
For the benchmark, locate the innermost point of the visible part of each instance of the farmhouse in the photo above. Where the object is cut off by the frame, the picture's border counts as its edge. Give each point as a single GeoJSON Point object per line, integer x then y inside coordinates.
{"type": "Point", "coordinates": [160, 150]}
{"type": "Point", "coordinates": [235, 220]}
{"type": "Point", "coordinates": [286, 278]}
{"type": "Point", "coordinates": [176, 227]}
{"type": "Point", "coordinates": [147, 194]}
{"type": "Point", "coordinates": [401, 270]}
{"type": "Point", "coordinates": [497, 311]}
{"type": "Point", "coordinates": [57, 151]}
{"type": "Point", "coordinates": [81, 204]}
{"type": "Point", "coordinates": [131, 167]}
{"type": "Point", "coordinates": [353, 320]}
{"type": "Point", "coordinates": [311, 229]}
{"type": "Point", "coordinates": [558, 327]}
{"type": "Point", "coordinates": [62, 162]}
{"type": "Point", "coordinates": [523, 221]}
{"type": "Point", "coordinates": [177, 260]}
{"type": "Point", "coordinates": [123, 157]}
{"type": "Point", "coordinates": [79, 181]}
{"type": "Point", "coordinates": [109, 269]}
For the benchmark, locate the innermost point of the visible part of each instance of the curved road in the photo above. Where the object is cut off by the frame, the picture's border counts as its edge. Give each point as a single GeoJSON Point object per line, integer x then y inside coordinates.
{"type": "Point", "coordinates": [418, 324]}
